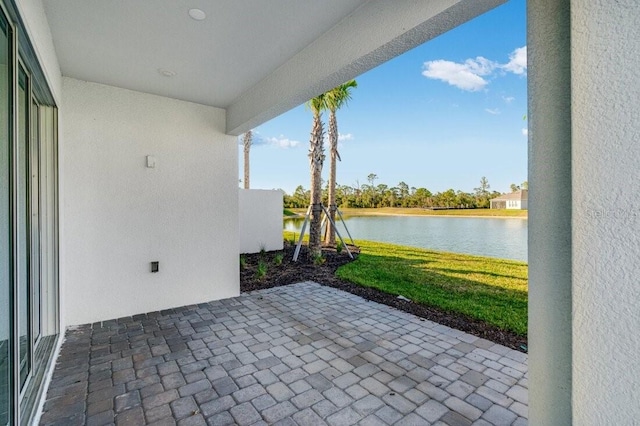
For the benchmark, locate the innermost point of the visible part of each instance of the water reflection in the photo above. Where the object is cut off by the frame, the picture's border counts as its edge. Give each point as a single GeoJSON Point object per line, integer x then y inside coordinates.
{"type": "Point", "coordinates": [293, 224]}
{"type": "Point", "coordinates": [502, 238]}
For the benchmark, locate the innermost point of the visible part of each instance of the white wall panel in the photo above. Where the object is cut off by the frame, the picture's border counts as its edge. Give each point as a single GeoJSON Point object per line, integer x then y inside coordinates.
{"type": "Point", "coordinates": [121, 215]}
{"type": "Point", "coordinates": [260, 220]}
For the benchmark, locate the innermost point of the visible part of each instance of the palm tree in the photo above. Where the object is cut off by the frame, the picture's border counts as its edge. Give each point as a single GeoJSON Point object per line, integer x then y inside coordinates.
{"type": "Point", "coordinates": [335, 99]}
{"type": "Point", "coordinates": [316, 157]}
{"type": "Point", "coordinates": [246, 142]}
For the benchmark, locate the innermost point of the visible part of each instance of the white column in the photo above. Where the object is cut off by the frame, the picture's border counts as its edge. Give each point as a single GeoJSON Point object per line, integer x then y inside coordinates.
{"type": "Point", "coordinates": [549, 116]}
{"type": "Point", "coordinates": [605, 57]}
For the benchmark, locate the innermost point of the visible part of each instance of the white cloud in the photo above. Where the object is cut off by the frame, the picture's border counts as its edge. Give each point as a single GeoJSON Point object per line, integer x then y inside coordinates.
{"type": "Point", "coordinates": [279, 142]}
{"type": "Point", "coordinates": [508, 99]}
{"type": "Point", "coordinates": [494, 111]}
{"type": "Point", "coordinates": [466, 76]}
{"type": "Point", "coordinates": [517, 61]}
{"type": "Point", "coordinates": [525, 132]}
{"type": "Point", "coordinates": [282, 142]}
{"type": "Point", "coordinates": [473, 74]}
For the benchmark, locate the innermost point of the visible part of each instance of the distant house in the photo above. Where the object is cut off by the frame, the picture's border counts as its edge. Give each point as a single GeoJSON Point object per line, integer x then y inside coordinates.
{"type": "Point", "coordinates": [515, 200]}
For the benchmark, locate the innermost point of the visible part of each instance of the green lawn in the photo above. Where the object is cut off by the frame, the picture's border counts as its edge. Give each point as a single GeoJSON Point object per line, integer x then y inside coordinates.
{"type": "Point", "coordinates": [492, 290]}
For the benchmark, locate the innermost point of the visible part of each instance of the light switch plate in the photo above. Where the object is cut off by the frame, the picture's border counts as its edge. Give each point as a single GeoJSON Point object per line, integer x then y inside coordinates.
{"type": "Point", "coordinates": [151, 162]}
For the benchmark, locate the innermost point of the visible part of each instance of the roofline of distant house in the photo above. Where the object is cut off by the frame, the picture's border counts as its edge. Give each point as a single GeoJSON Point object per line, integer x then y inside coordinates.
{"type": "Point", "coordinates": [522, 194]}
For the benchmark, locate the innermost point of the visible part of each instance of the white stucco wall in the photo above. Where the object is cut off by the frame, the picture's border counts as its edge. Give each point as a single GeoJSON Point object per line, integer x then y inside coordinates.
{"type": "Point", "coordinates": [605, 39]}
{"type": "Point", "coordinates": [121, 215]}
{"type": "Point", "coordinates": [260, 220]}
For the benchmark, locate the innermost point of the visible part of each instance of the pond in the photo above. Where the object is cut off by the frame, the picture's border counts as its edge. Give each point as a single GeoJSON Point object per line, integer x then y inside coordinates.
{"type": "Point", "coordinates": [494, 237]}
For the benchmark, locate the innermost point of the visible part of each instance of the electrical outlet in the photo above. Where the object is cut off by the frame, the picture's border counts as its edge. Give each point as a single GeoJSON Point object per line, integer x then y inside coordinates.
{"type": "Point", "coordinates": [155, 266]}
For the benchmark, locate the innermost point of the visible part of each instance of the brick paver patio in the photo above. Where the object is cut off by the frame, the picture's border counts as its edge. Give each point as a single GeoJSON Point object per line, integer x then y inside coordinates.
{"type": "Point", "coordinates": [302, 354]}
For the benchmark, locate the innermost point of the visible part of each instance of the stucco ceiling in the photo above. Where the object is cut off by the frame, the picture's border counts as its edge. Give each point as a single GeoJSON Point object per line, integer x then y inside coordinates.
{"type": "Point", "coordinates": [255, 58]}
{"type": "Point", "coordinates": [124, 43]}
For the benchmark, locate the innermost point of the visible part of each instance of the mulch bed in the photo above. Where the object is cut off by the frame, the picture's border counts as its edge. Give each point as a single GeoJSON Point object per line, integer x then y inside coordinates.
{"type": "Point", "coordinates": [289, 272]}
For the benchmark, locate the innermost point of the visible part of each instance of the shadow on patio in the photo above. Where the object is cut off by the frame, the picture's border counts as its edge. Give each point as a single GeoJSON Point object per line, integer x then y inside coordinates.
{"type": "Point", "coordinates": [301, 354]}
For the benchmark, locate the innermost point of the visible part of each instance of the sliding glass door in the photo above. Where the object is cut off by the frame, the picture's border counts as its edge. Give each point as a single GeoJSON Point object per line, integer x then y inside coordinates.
{"type": "Point", "coordinates": [29, 305]}
{"type": "Point", "coordinates": [6, 259]}
{"type": "Point", "coordinates": [35, 226]}
{"type": "Point", "coordinates": [23, 219]}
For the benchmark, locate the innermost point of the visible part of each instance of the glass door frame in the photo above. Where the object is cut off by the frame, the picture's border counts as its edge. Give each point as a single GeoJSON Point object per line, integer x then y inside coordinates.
{"type": "Point", "coordinates": [35, 236]}
{"type": "Point", "coordinates": [13, 397]}
{"type": "Point", "coordinates": [33, 226]}
{"type": "Point", "coordinates": [15, 379]}
{"type": "Point", "coordinates": [27, 250]}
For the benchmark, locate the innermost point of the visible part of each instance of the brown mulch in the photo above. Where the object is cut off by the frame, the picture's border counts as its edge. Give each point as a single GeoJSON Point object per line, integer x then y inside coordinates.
{"type": "Point", "coordinates": [289, 272]}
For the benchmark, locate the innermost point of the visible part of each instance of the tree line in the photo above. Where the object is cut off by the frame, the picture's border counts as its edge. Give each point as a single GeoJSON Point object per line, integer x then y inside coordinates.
{"type": "Point", "coordinates": [372, 195]}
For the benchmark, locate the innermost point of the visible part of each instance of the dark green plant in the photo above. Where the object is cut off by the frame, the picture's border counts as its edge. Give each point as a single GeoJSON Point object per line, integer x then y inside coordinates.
{"type": "Point", "coordinates": [243, 262]}
{"type": "Point", "coordinates": [318, 259]}
{"type": "Point", "coordinates": [339, 247]}
{"type": "Point", "coordinates": [261, 272]}
{"type": "Point", "coordinates": [277, 260]}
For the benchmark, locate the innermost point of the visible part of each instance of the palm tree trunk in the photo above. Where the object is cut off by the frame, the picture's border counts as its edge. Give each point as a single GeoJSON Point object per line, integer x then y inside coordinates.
{"type": "Point", "coordinates": [316, 155]}
{"type": "Point", "coordinates": [247, 148]}
{"type": "Point", "coordinates": [333, 141]}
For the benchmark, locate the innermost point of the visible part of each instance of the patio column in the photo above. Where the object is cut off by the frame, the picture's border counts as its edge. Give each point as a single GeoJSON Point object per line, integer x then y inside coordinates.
{"type": "Point", "coordinates": [549, 116]}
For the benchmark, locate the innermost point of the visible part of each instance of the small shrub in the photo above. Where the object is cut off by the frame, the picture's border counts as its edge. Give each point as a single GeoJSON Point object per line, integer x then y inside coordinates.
{"type": "Point", "coordinates": [243, 262]}
{"type": "Point", "coordinates": [263, 249]}
{"type": "Point", "coordinates": [339, 247]}
{"type": "Point", "coordinates": [319, 259]}
{"type": "Point", "coordinates": [277, 260]}
{"type": "Point", "coordinates": [261, 272]}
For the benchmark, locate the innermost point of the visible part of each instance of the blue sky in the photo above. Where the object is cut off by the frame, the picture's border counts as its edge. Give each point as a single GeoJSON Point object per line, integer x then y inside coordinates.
{"type": "Point", "coordinates": [440, 116]}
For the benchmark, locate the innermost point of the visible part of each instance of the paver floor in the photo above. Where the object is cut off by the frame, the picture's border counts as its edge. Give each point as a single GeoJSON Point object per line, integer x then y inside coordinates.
{"type": "Point", "coordinates": [302, 354]}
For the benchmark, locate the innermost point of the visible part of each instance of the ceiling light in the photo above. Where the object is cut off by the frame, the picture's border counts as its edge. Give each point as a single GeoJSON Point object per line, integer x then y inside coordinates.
{"type": "Point", "coordinates": [197, 14]}
{"type": "Point", "coordinates": [166, 73]}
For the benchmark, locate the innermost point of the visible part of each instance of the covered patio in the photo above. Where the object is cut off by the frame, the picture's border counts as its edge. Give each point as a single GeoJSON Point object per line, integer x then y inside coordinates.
{"type": "Point", "coordinates": [118, 151]}
{"type": "Point", "coordinates": [301, 354]}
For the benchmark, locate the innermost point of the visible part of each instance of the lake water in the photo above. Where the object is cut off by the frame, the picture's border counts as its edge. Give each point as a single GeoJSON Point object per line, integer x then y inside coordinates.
{"type": "Point", "coordinates": [502, 238]}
